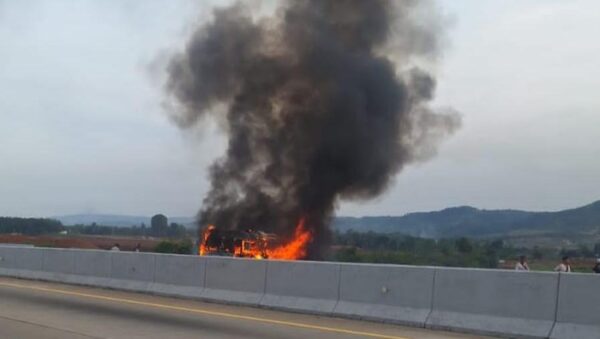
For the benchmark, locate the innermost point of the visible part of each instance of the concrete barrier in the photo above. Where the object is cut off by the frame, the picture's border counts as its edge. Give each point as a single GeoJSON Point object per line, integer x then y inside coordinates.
{"type": "Point", "coordinates": [578, 313]}
{"type": "Point", "coordinates": [239, 281]}
{"type": "Point", "coordinates": [58, 264]}
{"type": "Point", "coordinates": [399, 294]}
{"type": "Point", "coordinates": [93, 267]}
{"type": "Point", "coordinates": [179, 275]}
{"type": "Point", "coordinates": [517, 304]}
{"type": "Point", "coordinates": [35, 263]}
{"type": "Point", "coordinates": [505, 303]}
{"type": "Point", "coordinates": [6, 260]}
{"type": "Point", "coordinates": [26, 262]}
{"type": "Point", "coordinates": [132, 271]}
{"type": "Point", "coordinates": [302, 286]}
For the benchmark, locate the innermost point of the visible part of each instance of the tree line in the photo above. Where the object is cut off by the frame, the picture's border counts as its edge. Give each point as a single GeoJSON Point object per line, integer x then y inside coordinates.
{"type": "Point", "coordinates": [173, 230]}
{"type": "Point", "coordinates": [402, 249]}
{"type": "Point", "coordinates": [397, 248]}
{"type": "Point", "coordinates": [30, 226]}
{"type": "Point", "coordinates": [37, 226]}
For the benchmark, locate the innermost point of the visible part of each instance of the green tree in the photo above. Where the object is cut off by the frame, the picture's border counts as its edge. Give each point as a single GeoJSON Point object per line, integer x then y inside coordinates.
{"type": "Point", "coordinates": [597, 249]}
{"type": "Point", "coordinates": [586, 252]}
{"type": "Point", "coordinates": [497, 245]}
{"type": "Point", "coordinates": [176, 230]}
{"type": "Point", "coordinates": [464, 245]}
{"type": "Point", "coordinates": [348, 254]}
{"type": "Point", "coordinates": [177, 247]}
{"type": "Point", "coordinates": [537, 254]}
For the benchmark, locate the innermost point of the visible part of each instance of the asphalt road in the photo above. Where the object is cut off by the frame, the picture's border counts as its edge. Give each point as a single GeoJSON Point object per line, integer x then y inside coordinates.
{"type": "Point", "coordinates": [32, 309]}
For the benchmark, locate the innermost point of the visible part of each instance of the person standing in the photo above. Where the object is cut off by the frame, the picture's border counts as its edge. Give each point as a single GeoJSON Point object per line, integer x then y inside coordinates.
{"type": "Point", "coordinates": [522, 264]}
{"type": "Point", "coordinates": [564, 266]}
{"type": "Point", "coordinates": [116, 247]}
{"type": "Point", "coordinates": [596, 268]}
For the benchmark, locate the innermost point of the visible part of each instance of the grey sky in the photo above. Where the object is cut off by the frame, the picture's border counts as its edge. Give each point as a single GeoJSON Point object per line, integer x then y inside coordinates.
{"type": "Point", "coordinates": [82, 130]}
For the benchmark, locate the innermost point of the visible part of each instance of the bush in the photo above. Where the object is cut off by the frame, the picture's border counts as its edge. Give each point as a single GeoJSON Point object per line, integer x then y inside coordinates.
{"type": "Point", "coordinates": [177, 247]}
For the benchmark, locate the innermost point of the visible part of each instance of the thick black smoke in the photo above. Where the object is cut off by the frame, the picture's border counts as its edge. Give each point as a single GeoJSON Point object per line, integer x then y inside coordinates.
{"type": "Point", "coordinates": [316, 111]}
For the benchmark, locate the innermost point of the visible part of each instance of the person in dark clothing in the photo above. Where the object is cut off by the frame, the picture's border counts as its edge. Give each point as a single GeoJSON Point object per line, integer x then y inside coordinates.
{"type": "Point", "coordinates": [596, 268]}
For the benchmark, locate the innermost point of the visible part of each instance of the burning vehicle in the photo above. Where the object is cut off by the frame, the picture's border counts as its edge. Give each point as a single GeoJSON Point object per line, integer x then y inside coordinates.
{"type": "Point", "coordinates": [254, 244]}
{"type": "Point", "coordinates": [249, 244]}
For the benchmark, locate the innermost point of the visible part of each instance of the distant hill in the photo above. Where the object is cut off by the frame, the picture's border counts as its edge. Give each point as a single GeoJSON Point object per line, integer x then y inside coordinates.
{"type": "Point", "coordinates": [464, 221]}
{"type": "Point", "coordinates": [472, 222]}
{"type": "Point", "coordinates": [117, 220]}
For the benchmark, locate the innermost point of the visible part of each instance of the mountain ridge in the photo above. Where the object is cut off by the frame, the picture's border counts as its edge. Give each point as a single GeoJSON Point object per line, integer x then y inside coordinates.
{"type": "Point", "coordinates": [456, 221]}
{"type": "Point", "coordinates": [473, 222]}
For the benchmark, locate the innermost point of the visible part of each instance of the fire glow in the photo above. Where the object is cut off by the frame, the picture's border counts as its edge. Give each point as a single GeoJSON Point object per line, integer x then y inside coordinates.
{"type": "Point", "coordinates": [256, 244]}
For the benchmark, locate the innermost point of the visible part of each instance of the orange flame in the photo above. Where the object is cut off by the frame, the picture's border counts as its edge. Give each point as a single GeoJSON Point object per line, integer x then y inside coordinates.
{"type": "Point", "coordinates": [209, 230]}
{"type": "Point", "coordinates": [259, 248]}
{"type": "Point", "coordinates": [296, 248]}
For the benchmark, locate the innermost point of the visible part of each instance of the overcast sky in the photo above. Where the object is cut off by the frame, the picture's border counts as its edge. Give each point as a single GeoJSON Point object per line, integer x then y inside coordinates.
{"type": "Point", "coordinates": [82, 129]}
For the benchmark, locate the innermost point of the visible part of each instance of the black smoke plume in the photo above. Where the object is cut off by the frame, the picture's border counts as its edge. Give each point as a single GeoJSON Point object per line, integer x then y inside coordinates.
{"type": "Point", "coordinates": [321, 102]}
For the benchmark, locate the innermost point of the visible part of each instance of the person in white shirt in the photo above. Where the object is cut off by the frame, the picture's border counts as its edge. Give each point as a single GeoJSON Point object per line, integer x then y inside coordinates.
{"type": "Point", "coordinates": [115, 248]}
{"type": "Point", "coordinates": [522, 264]}
{"type": "Point", "coordinates": [564, 266]}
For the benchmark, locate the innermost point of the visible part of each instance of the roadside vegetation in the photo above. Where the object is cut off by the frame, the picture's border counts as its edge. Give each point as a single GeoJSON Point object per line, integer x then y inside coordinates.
{"type": "Point", "coordinates": [394, 248]}
{"type": "Point", "coordinates": [175, 247]}
{"type": "Point", "coordinates": [159, 236]}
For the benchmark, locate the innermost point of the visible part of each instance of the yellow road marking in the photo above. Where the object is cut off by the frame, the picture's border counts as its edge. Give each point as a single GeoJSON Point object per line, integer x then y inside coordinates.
{"type": "Point", "coordinates": [205, 312]}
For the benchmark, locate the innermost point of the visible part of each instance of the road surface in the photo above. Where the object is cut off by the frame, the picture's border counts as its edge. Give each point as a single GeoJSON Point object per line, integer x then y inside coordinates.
{"type": "Point", "coordinates": [33, 309]}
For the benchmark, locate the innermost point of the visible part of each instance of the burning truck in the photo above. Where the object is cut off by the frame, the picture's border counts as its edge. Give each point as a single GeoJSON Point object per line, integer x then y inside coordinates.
{"type": "Point", "coordinates": [254, 244]}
